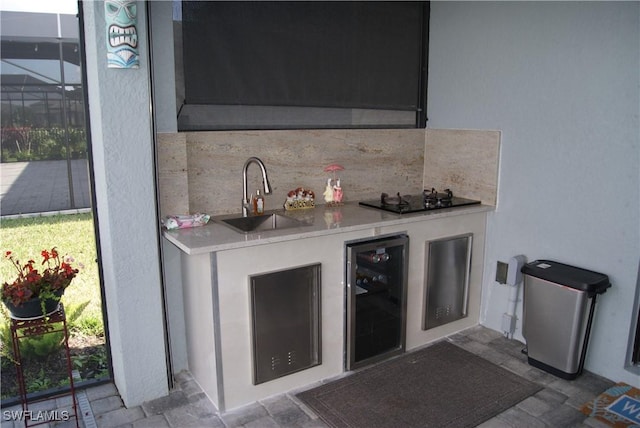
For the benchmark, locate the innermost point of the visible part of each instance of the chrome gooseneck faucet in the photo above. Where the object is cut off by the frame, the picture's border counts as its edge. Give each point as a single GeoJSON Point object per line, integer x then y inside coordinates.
{"type": "Point", "coordinates": [245, 191]}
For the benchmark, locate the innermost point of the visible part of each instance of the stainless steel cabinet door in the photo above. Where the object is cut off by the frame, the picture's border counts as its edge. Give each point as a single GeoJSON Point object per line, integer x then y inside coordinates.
{"type": "Point", "coordinates": [447, 280]}
{"type": "Point", "coordinates": [286, 322]}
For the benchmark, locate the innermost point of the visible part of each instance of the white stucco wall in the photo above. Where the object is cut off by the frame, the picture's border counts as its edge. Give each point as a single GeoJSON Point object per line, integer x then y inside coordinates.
{"type": "Point", "coordinates": [561, 81]}
{"type": "Point", "coordinates": [123, 156]}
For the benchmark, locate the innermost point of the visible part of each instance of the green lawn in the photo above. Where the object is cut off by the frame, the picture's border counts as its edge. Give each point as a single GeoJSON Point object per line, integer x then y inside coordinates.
{"type": "Point", "coordinates": [43, 367]}
{"type": "Point", "coordinates": [72, 235]}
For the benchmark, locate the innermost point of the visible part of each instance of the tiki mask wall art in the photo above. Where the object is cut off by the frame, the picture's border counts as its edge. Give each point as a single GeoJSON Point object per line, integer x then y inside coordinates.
{"type": "Point", "coordinates": [122, 35]}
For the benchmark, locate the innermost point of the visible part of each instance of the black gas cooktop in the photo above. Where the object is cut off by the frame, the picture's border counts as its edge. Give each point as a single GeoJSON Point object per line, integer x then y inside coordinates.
{"type": "Point", "coordinates": [428, 200]}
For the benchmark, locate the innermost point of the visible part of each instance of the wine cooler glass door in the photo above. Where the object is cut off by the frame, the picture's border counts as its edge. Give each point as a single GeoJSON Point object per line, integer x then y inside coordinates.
{"type": "Point", "coordinates": [376, 299]}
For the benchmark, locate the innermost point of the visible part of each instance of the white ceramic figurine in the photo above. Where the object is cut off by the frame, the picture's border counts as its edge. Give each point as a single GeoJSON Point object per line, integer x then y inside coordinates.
{"type": "Point", "coordinates": [328, 192]}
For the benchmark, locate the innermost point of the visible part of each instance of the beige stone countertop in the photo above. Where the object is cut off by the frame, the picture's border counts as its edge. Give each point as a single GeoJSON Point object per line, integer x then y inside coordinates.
{"type": "Point", "coordinates": [321, 221]}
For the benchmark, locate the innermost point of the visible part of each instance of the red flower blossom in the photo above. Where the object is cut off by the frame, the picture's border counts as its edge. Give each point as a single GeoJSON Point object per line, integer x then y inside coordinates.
{"type": "Point", "coordinates": [31, 283]}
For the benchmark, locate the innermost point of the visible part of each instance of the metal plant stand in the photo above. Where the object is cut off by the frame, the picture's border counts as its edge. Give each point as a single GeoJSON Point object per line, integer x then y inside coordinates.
{"type": "Point", "coordinates": [24, 328]}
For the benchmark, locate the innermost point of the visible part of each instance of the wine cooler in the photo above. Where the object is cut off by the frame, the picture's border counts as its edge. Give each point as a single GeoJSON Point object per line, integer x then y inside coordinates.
{"type": "Point", "coordinates": [376, 299]}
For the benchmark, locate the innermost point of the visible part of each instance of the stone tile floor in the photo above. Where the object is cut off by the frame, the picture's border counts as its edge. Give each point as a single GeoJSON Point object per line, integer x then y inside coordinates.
{"type": "Point", "coordinates": [556, 405]}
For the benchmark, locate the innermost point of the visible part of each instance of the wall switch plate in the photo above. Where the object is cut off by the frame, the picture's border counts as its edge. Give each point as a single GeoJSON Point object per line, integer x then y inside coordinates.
{"type": "Point", "coordinates": [501, 272]}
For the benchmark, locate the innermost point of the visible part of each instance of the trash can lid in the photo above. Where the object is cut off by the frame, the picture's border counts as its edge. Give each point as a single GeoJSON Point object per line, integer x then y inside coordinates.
{"type": "Point", "coordinates": [570, 276]}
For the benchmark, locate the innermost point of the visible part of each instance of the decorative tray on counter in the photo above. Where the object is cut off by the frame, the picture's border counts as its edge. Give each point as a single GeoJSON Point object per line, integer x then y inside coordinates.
{"type": "Point", "coordinates": [300, 199]}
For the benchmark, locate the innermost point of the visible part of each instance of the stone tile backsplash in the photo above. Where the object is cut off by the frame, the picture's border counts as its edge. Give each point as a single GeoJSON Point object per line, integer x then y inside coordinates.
{"type": "Point", "coordinates": [465, 161]}
{"type": "Point", "coordinates": [202, 171]}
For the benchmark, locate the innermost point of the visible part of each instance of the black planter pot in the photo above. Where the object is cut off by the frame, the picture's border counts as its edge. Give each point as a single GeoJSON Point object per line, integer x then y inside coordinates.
{"type": "Point", "coordinates": [33, 308]}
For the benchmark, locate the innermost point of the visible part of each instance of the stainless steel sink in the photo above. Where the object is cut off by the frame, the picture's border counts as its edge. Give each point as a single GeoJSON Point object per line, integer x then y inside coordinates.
{"type": "Point", "coordinates": [261, 223]}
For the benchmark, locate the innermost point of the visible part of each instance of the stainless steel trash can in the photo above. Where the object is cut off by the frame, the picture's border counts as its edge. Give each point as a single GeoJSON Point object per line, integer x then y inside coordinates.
{"type": "Point", "coordinates": [558, 305]}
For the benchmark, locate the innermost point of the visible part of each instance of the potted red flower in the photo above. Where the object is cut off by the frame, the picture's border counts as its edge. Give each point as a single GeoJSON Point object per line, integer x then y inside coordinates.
{"type": "Point", "coordinates": [36, 293]}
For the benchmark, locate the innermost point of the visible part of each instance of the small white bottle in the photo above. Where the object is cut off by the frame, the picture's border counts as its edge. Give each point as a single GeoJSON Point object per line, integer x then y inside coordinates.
{"type": "Point", "coordinates": [258, 203]}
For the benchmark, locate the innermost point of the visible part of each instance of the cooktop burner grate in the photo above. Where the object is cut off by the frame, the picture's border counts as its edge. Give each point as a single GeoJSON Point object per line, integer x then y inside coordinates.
{"type": "Point", "coordinates": [428, 200]}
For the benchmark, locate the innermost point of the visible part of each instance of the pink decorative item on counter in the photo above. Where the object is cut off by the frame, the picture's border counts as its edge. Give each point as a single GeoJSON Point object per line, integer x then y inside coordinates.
{"type": "Point", "coordinates": [185, 221]}
{"type": "Point", "coordinates": [333, 191]}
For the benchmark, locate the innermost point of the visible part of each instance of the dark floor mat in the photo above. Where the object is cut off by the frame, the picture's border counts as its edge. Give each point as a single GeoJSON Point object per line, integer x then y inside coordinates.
{"type": "Point", "coordinates": [439, 386]}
